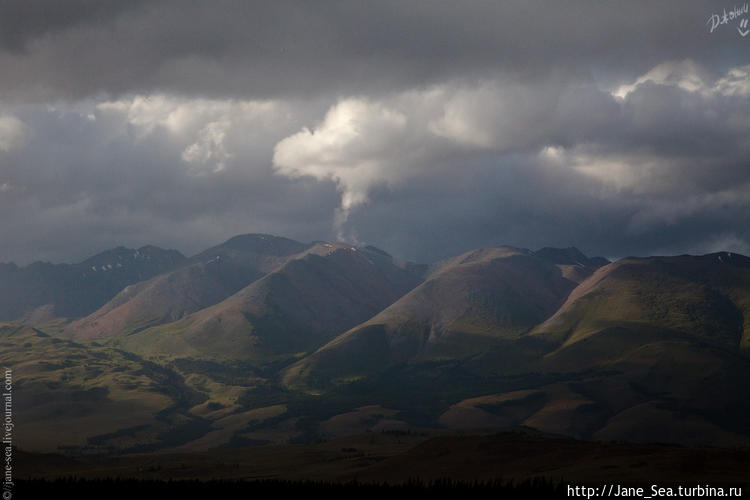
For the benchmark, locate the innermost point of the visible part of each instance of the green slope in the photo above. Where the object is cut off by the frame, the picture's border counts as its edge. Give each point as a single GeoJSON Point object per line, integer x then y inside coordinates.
{"type": "Point", "coordinates": [651, 349]}
{"type": "Point", "coordinates": [88, 399]}
{"type": "Point", "coordinates": [467, 305]}
{"type": "Point", "coordinates": [644, 350]}
{"type": "Point", "coordinates": [306, 302]}
{"type": "Point", "coordinates": [707, 297]}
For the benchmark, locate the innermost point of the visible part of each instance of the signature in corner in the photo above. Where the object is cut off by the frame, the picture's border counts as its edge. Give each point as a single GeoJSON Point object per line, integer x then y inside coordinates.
{"type": "Point", "coordinates": [725, 17]}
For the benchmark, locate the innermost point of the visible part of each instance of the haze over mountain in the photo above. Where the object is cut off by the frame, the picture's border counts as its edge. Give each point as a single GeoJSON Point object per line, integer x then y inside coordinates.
{"type": "Point", "coordinates": [42, 290]}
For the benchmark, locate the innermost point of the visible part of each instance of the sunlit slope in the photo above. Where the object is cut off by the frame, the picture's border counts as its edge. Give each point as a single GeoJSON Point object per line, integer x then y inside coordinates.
{"type": "Point", "coordinates": [644, 350]}
{"type": "Point", "coordinates": [298, 307]}
{"type": "Point", "coordinates": [706, 297]}
{"type": "Point", "coordinates": [202, 281]}
{"type": "Point", "coordinates": [88, 399]}
{"type": "Point", "coordinates": [466, 305]}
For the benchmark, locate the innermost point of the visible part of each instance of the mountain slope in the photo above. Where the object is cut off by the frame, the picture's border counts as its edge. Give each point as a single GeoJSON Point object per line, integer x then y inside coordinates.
{"type": "Point", "coordinates": [637, 385]}
{"type": "Point", "coordinates": [201, 281]}
{"type": "Point", "coordinates": [646, 349]}
{"type": "Point", "coordinates": [707, 297]}
{"type": "Point", "coordinates": [87, 399]}
{"type": "Point", "coordinates": [643, 350]}
{"type": "Point", "coordinates": [44, 291]}
{"type": "Point", "coordinates": [313, 297]}
{"type": "Point", "coordinates": [467, 304]}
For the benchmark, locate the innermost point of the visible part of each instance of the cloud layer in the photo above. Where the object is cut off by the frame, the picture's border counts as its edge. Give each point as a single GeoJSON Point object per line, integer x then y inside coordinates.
{"type": "Point", "coordinates": [424, 128]}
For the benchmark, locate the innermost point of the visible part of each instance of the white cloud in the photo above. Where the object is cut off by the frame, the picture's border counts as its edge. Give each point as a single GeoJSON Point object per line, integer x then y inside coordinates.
{"type": "Point", "coordinates": [202, 127]}
{"type": "Point", "coordinates": [685, 74]}
{"type": "Point", "coordinates": [359, 144]}
{"type": "Point", "coordinates": [664, 143]}
{"type": "Point", "coordinates": [635, 172]}
{"type": "Point", "coordinates": [210, 148]}
{"type": "Point", "coordinates": [627, 145]}
{"type": "Point", "coordinates": [493, 147]}
{"type": "Point", "coordinates": [691, 77]}
{"type": "Point", "coordinates": [494, 115]}
{"type": "Point", "coordinates": [13, 132]}
{"type": "Point", "coordinates": [182, 115]}
{"type": "Point", "coordinates": [736, 82]}
{"type": "Point", "coordinates": [362, 144]}
{"type": "Point", "coordinates": [468, 116]}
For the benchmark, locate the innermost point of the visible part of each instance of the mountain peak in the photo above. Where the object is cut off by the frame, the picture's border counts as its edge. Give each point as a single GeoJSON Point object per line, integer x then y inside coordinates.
{"type": "Point", "coordinates": [262, 243]}
{"type": "Point", "coordinates": [122, 254]}
{"type": "Point", "coordinates": [570, 255]}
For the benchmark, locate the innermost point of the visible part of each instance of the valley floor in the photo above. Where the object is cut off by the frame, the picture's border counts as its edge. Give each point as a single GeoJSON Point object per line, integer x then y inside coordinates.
{"type": "Point", "coordinates": [400, 457]}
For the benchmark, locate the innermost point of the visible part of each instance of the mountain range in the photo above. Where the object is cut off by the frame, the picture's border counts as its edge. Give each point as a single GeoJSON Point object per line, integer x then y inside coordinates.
{"type": "Point", "coordinates": [43, 291]}
{"type": "Point", "coordinates": [263, 339]}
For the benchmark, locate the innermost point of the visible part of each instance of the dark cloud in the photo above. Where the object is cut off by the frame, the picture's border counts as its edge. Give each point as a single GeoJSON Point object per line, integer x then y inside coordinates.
{"type": "Point", "coordinates": [87, 179]}
{"type": "Point", "coordinates": [266, 49]}
{"type": "Point", "coordinates": [426, 128]}
{"type": "Point", "coordinates": [24, 21]}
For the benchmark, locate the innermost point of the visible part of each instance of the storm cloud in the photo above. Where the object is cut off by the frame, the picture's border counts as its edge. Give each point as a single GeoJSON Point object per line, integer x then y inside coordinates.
{"type": "Point", "coordinates": [425, 128]}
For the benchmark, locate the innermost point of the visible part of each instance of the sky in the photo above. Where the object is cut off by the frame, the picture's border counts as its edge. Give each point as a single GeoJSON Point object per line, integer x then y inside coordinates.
{"type": "Point", "coordinates": [426, 128]}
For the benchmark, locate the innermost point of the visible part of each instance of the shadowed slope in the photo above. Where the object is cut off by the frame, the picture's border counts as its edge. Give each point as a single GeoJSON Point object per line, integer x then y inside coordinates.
{"type": "Point", "coordinates": [310, 299]}
{"type": "Point", "coordinates": [204, 280]}
{"type": "Point", "coordinates": [43, 291]}
{"type": "Point", "coordinates": [644, 350]}
{"type": "Point", "coordinates": [466, 305]}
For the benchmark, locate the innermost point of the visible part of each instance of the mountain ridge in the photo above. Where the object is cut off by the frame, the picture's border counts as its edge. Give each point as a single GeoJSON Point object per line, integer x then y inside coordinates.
{"type": "Point", "coordinates": [318, 291]}
{"type": "Point", "coordinates": [73, 290]}
{"type": "Point", "coordinates": [479, 296]}
{"type": "Point", "coordinates": [270, 341]}
{"type": "Point", "coordinates": [201, 281]}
